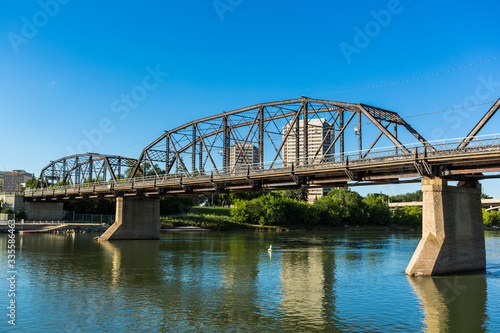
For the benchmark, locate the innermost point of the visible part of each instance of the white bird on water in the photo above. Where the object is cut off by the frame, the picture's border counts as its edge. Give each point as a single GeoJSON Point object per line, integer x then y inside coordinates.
{"type": "Point", "coordinates": [270, 249]}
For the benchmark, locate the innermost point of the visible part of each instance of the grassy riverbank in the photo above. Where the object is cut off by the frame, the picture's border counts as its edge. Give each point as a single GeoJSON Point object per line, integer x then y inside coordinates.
{"type": "Point", "coordinates": [219, 219]}
{"type": "Point", "coordinates": [213, 218]}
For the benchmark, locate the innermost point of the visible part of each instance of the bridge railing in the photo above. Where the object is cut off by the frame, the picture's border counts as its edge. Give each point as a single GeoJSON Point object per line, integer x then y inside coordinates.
{"type": "Point", "coordinates": [442, 148]}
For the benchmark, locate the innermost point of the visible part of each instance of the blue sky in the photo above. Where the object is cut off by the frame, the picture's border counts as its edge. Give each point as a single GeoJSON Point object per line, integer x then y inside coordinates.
{"type": "Point", "coordinates": [65, 66]}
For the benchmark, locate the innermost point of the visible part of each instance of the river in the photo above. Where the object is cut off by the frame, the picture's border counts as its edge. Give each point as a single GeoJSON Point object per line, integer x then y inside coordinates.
{"type": "Point", "coordinates": [221, 282]}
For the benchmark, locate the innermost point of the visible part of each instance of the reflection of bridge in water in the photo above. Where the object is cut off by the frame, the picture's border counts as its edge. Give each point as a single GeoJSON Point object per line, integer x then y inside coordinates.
{"type": "Point", "coordinates": [306, 142]}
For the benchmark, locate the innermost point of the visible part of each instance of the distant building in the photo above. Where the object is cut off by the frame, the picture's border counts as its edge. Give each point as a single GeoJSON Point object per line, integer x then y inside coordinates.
{"type": "Point", "coordinates": [12, 181]}
{"type": "Point", "coordinates": [248, 156]}
{"type": "Point", "coordinates": [317, 130]}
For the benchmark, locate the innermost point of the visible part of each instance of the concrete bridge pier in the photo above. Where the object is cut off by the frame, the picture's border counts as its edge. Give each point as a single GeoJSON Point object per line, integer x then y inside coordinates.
{"type": "Point", "coordinates": [452, 231]}
{"type": "Point", "coordinates": [136, 218]}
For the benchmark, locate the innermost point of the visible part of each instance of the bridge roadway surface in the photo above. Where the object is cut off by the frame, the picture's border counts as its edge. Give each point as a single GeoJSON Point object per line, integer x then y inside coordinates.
{"type": "Point", "coordinates": [448, 160]}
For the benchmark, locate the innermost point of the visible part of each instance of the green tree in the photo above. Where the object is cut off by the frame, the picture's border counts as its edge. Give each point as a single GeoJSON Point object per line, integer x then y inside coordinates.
{"type": "Point", "coordinates": [491, 218]}
{"type": "Point", "coordinates": [20, 214]}
{"type": "Point", "coordinates": [331, 210]}
{"type": "Point", "coordinates": [408, 197]}
{"type": "Point", "coordinates": [408, 216]}
{"type": "Point", "coordinates": [356, 208]}
{"type": "Point", "coordinates": [379, 212]}
{"type": "Point", "coordinates": [32, 182]}
{"type": "Point", "coordinates": [299, 195]}
{"type": "Point", "coordinates": [177, 204]}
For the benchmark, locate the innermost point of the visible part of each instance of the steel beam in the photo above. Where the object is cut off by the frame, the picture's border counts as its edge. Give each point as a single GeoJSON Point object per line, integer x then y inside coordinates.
{"type": "Point", "coordinates": [479, 126]}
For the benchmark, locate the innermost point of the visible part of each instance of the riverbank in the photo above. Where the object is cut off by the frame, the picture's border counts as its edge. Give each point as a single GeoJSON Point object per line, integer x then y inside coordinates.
{"type": "Point", "coordinates": [219, 219]}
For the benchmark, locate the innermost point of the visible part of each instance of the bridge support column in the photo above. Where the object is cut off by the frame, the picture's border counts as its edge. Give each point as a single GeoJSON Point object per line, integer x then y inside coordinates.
{"type": "Point", "coordinates": [136, 218]}
{"type": "Point", "coordinates": [452, 231]}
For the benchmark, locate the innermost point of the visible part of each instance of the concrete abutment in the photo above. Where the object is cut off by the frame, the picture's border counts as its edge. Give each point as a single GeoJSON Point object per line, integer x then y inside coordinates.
{"type": "Point", "coordinates": [136, 218]}
{"type": "Point", "coordinates": [452, 229]}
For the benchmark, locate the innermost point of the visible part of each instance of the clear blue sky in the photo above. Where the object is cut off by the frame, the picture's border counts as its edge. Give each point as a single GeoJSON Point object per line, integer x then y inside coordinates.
{"type": "Point", "coordinates": [65, 65]}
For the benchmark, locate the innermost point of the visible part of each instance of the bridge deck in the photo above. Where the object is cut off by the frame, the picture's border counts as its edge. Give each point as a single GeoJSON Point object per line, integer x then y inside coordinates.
{"type": "Point", "coordinates": [380, 167]}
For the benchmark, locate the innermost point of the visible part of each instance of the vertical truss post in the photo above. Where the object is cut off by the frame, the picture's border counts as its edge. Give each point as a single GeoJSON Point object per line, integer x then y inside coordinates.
{"type": "Point", "coordinates": [225, 144]}
{"type": "Point", "coordinates": [77, 172]}
{"type": "Point", "coordinates": [64, 172]}
{"type": "Point", "coordinates": [341, 119]}
{"type": "Point", "coordinates": [305, 117]}
{"type": "Point", "coordinates": [167, 154]}
{"type": "Point", "coordinates": [200, 157]}
{"type": "Point", "coordinates": [90, 169]}
{"type": "Point", "coordinates": [193, 152]}
{"type": "Point", "coordinates": [396, 136]}
{"type": "Point", "coordinates": [53, 173]}
{"type": "Point", "coordinates": [332, 138]}
{"type": "Point", "coordinates": [360, 136]}
{"type": "Point", "coordinates": [104, 169]}
{"type": "Point", "coordinates": [119, 167]}
{"type": "Point", "coordinates": [297, 141]}
{"type": "Point", "coordinates": [261, 137]}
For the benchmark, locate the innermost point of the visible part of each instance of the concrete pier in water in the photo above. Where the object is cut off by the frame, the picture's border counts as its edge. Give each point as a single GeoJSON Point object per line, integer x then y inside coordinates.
{"type": "Point", "coordinates": [136, 218]}
{"type": "Point", "coordinates": [452, 231]}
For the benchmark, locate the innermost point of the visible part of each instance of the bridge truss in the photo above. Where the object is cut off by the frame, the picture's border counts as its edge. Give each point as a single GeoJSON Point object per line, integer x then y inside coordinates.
{"type": "Point", "coordinates": [83, 168]}
{"type": "Point", "coordinates": [273, 135]}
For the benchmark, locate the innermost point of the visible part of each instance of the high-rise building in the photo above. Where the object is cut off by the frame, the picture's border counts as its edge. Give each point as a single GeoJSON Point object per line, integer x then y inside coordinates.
{"type": "Point", "coordinates": [2, 178]}
{"type": "Point", "coordinates": [249, 155]}
{"type": "Point", "coordinates": [13, 181]}
{"type": "Point", "coordinates": [317, 131]}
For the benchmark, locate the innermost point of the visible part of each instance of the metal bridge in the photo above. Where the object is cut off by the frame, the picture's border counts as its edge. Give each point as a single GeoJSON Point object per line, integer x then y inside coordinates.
{"type": "Point", "coordinates": [289, 144]}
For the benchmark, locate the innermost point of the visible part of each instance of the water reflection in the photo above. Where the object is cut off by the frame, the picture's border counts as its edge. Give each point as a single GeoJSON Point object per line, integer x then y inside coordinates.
{"type": "Point", "coordinates": [452, 303]}
{"type": "Point", "coordinates": [131, 261]}
{"type": "Point", "coordinates": [307, 288]}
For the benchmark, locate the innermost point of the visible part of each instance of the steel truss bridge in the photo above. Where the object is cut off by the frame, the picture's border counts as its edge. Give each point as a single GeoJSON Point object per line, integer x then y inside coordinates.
{"type": "Point", "coordinates": [289, 144]}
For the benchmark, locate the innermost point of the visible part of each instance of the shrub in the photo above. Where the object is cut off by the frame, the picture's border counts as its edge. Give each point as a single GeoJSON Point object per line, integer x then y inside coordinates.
{"type": "Point", "coordinates": [491, 218]}
{"type": "Point", "coordinates": [378, 211]}
{"type": "Point", "coordinates": [331, 211]}
{"type": "Point", "coordinates": [408, 216]}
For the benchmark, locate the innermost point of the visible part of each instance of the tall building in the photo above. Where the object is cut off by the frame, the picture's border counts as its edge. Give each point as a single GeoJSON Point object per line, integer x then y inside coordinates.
{"type": "Point", "coordinates": [249, 155]}
{"type": "Point", "coordinates": [317, 130]}
{"type": "Point", "coordinates": [2, 178]}
{"type": "Point", "coordinates": [13, 181]}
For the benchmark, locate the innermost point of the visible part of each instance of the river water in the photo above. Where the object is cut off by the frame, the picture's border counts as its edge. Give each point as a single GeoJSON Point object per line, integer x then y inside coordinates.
{"type": "Point", "coordinates": [227, 282]}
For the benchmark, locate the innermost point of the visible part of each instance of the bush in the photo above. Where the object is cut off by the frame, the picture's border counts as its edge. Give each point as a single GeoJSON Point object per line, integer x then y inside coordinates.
{"type": "Point", "coordinates": [176, 205]}
{"type": "Point", "coordinates": [356, 208]}
{"type": "Point", "coordinates": [408, 216]}
{"type": "Point", "coordinates": [331, 211]}
{"type": "Point", "coordinates": [491, 218]}
{"type": "Point", "coordinates": [20, 214]}
{"type": "Point", "coordinates": [378, 211]}
{"type": "Point", "coordinates": [274, 210]}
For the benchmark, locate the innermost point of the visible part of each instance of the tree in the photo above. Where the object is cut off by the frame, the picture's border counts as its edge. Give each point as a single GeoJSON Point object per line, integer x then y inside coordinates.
{"type": "Point", "coordinates": [408, 216]}
{"type": "Point", "coordinates": [408, 197]}
{"type": "Point", "coordinates": [491, 218]}
{"type": "Point", "coordinates": [32, 182]}
{"type": "Point", "coordinates": [331, 210]}
{"type": "Point", "coordinates": [299, 195]}
{"type": "Point", "coordinates": [356, 208]}
{"type": "Point", "coordinates": [379, 212]}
